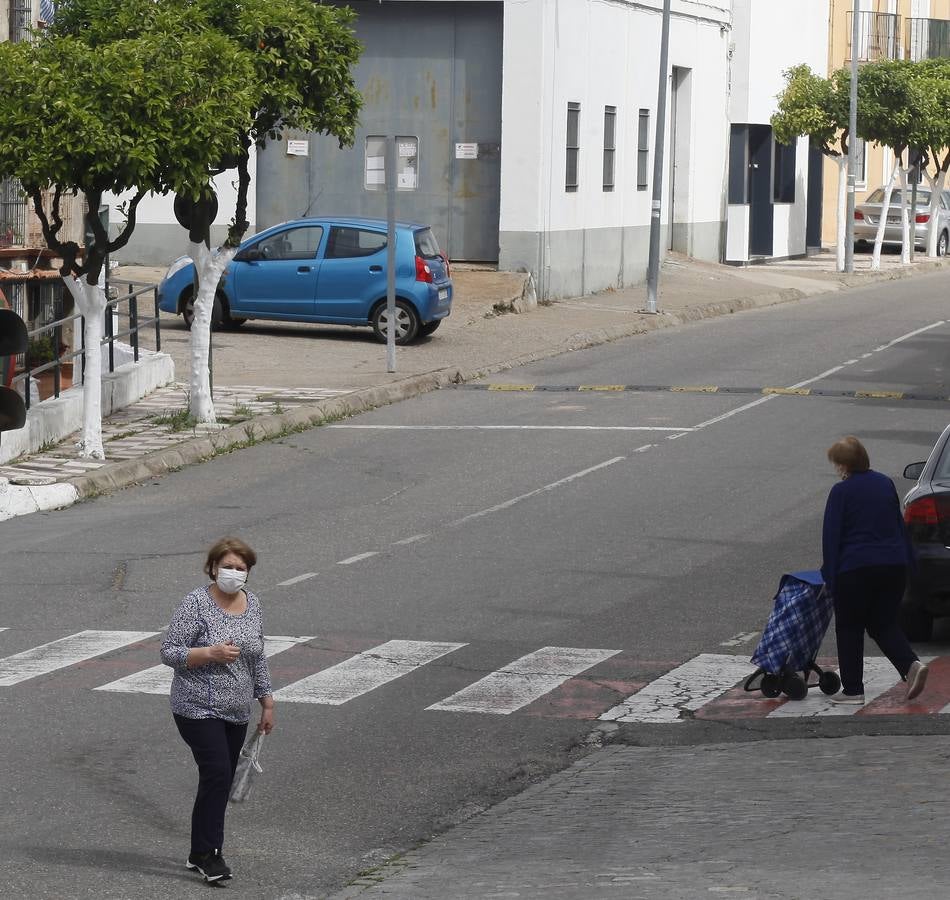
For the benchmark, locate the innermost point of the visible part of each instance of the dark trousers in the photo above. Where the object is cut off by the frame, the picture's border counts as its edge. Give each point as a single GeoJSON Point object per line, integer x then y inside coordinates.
{"type": "Point", "coordinates": [868, 599]}
{"type": "Point", "coordinates": [216, 746]}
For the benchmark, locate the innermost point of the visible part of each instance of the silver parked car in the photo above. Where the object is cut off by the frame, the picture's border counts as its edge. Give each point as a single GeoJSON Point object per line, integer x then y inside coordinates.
{"type": "Point", "coordinates": [868, 214]}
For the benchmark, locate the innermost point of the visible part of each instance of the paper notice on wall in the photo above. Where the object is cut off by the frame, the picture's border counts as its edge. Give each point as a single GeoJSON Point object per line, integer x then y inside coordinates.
{"type": "Point", "coordinates": [466, 151]}
{"type": "Point", "coordinates": [406, 181]}
{"type": "Point", "coordinates": [298, 148]}
{"type": "Point", "coordinates": [407, 149]}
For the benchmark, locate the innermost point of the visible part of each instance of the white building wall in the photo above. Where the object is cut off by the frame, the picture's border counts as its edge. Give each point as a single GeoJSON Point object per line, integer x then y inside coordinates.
{"type": "Point", "coordinates": [158, 238]}
{"type": "Point", "coordinates": [759, 60]}
{"type": "Point", "coordinates": [598, 53]}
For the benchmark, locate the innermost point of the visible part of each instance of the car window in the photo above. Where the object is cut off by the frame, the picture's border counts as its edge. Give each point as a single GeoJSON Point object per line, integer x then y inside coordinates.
{"type": "Point", "coordinates": [426, 244]}
{"type": "Point", "coordinates": [878, 197]}
{"type": "Point", "coordinates": [345, 242]}
{"type": "Point", "coordinates": [296, 243]}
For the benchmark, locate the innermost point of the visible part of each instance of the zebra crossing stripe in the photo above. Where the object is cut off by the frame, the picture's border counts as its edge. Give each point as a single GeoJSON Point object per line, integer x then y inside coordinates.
{"type": "Point", "coordinates": [364, 672]}
{"type": "Point", "coordinates": [522, 682]}
{"type": "Point", "coordinates": [67, 651]}
{"type": "Point", "coordinates": [686, 688]}
{"type": "Point", "coordinates": [158, 679]}
{"type": "Point", "coordinates": [879, 677]}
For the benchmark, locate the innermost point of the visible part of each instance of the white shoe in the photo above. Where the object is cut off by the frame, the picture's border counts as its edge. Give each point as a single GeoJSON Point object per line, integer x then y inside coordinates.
{"type": "Point", "coordinates": [916, 679]}
{"type": "Point", "coordinates": [844, 699]}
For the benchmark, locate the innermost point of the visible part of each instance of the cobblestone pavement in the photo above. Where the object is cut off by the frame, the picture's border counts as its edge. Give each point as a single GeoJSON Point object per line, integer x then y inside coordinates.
{"type": "Point", "coordinates": [156, 422]}
{"type": "Point", "coordinates": [855, 818]}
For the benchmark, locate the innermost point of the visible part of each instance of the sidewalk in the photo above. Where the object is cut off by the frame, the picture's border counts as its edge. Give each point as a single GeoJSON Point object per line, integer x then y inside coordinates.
{"type": "Point", "coordinates": [327, 372]}
{"type": "Point", "coordinates": [851, 818]}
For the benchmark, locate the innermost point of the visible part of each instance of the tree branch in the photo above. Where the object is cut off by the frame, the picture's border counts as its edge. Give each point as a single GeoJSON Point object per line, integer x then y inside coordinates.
{"type": "Point", "coordinates": [239, 224]}
{"type": "Point", "coordinates": [123, 237]}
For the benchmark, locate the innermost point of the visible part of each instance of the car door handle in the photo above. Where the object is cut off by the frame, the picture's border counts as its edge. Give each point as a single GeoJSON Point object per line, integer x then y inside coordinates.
{"type": "Point", "coordinates": [303, 269]}
{"type": "Point", "coordinates": [376, 268]}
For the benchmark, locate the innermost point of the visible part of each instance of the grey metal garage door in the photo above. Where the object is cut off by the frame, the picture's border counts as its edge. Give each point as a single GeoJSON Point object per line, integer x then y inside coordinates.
{"type": "Point", "coordinates": [433, 70]}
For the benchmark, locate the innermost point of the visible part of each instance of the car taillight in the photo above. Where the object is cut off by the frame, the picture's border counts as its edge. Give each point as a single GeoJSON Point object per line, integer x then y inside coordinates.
{"type": "Point", "coordinates": [922, 218]}
{"type": "Point", "coordinates": [923, 511]}
{"type": "Point", "coordinates": [445, 259]}
{"type": "Point", "coordinates": [858, 215]}
{"type": "Point", "coordinates": [423, 272]}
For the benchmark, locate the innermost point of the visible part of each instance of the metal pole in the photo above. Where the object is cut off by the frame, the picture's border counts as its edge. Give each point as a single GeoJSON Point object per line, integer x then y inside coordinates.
{"type": "Point", "coordinates": [653, 263]}
{"type": "Point", "coordinates": [391, 254]}
{"type": "Point", "coordinates": [852, 134]}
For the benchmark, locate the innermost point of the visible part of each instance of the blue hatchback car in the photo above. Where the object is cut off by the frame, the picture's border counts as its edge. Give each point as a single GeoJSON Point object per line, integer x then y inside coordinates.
{"type": "Point", "coordinates": [330, 270]}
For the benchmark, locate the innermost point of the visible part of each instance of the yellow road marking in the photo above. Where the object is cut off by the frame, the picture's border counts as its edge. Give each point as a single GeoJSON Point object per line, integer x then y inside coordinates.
{"type": "Point", "coordinates": [798, 392]}
{"type": "Point", "coordinates": [511, 387]}
{"type": "Point", "coordinates": [880, 395]}
{"type": "Point", "coordinates": [602, 387]}
{"type": "Point", "coordinates": [696, 388]}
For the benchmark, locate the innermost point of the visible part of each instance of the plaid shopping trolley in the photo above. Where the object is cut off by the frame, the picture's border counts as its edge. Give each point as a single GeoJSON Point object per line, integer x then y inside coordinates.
{"type": "Point", "coordinates": [786, 653]}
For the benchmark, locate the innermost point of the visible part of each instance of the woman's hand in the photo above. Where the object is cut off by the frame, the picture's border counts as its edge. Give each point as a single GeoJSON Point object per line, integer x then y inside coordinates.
{"type": "Point", "coordinates": [225, 652]}
{"type": "Point", "coordinates": [266, 724]}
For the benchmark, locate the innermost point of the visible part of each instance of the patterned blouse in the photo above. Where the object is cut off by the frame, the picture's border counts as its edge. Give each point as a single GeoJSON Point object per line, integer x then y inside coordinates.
{"type": "Point", "coordinates": [216, 690]}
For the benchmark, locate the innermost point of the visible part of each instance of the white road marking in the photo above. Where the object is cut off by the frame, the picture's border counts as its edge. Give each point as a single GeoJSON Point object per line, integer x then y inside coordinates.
{"type": "Point", "coordinates": [644, 448]}
{"type": "Point", "coordinates": [909, 335]}
{"type": "Point", "coordinates": [158, 679]}
{"type": "Point", "coordinates": [522, 682]}
{"type": "Point", "coordinates": [358, 558]}
{"type": "Point", "coordinates": [515, 427]}
{"type": "Point", "coordinates": [298, 579]}
{"type": "Point", "coordinates": [3, 629]}
{"type": "Point", "coordinates": [879, 677]}
{"type": "Point", "coordinates": [548, 487]}
{"type": "Point", "coordinates": [687, 687]}
{"type": "Point", "coordinates": [67, 651]}
{"type": "Point", "coordinates": [364, 672]}
{"type": "Point", "coordinates": [742, 638]}
{"type": "Point", "coordinates": [809, 381]}
{"type": "Point", "coordinates": [734, 412]}
{"type": "Point", "coordinates": [410, 540]}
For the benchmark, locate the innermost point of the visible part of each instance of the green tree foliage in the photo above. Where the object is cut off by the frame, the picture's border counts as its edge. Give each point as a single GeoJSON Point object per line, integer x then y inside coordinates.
{"type": "Point", "coordinates": [813, 106]}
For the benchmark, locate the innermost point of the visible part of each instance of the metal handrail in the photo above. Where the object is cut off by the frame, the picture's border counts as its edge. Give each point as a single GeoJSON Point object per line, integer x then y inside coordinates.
{"type": "Point", "coordinates": [136, 325]}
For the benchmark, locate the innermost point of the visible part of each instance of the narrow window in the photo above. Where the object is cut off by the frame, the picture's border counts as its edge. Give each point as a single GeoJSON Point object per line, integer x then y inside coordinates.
{"type": "Point", "coordinates": [739, 164]}
{"type": "Point", "coordinates": [861, 159]}
{"type": "Point", "coordinates": [643, 149]}
{"type": "Point", "coordinates": [610, 145]}
{"type": "Point", "coordinates": [573, 145]}
{"type": "Point", "coordinates": [783, 184]}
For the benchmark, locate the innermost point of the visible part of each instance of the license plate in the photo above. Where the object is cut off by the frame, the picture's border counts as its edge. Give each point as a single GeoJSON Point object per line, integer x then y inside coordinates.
{"type": "Point", "coordinates": [443, 293]}
{"type": "Point", "coordinates": [893, 220]}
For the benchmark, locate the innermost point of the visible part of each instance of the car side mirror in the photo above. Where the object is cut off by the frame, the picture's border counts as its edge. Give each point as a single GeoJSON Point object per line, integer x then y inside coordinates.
{"type": "Point", "coordinates": [914, 470]}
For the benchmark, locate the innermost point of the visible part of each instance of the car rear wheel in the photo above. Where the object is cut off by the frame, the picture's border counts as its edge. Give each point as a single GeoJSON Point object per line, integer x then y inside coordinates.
{"type": "Point", "coordinates": [429, 327]}
{"type": "Point", "coordinates": [942, 242]}
{"type": "Point", "coordinates": [407, 323]}
{"type": "Point", "coordinates": [219, 315]}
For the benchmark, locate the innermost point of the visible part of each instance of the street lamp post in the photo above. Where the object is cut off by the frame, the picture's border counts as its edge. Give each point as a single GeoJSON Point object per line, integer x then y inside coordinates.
{"type": "Point", "coordinates": [653, 262]}
{"type": "Point", "coordinates": [852, 136]}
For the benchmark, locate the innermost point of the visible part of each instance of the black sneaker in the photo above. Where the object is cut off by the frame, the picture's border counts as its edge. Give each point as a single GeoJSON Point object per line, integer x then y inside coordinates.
{"type": "Point", "coordinates": [211, 865]}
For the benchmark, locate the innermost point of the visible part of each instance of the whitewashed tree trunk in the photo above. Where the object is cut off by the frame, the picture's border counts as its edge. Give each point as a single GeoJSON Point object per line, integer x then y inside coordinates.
{"type": "Point", "coordinates": [936, 190]}
{"type": "Point", "coordinates": [91, 302]}
{"type": "Point", "coordinates": [842, 162]}
{"type": "Point", "coordinates": [882, 221]}
{"type": "Point", "coordinates": [905, 219]}
{"type": "Point", "coordinates": [210, 267]}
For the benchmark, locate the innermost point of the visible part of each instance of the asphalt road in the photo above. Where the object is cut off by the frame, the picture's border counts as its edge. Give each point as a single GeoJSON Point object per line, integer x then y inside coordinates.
{"type": "Point", "coordinates": [654, 524]}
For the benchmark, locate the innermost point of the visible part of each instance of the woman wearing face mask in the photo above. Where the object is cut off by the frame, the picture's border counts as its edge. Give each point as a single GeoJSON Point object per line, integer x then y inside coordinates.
{"type": "Point", "coordinates": [215, 644]}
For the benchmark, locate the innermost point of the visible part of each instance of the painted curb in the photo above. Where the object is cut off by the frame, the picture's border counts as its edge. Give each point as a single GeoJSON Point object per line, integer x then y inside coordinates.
{"type": "Point", "coordinates": [114, 476]}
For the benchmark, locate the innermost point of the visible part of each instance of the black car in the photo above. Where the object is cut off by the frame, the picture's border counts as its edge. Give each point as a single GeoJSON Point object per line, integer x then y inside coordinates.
{"type": "Point", "coordinates": [927, 514]}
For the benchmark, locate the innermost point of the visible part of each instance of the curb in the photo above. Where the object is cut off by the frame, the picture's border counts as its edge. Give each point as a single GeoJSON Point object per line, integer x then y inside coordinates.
{"type": "Point", "coordinates": [123, 474]}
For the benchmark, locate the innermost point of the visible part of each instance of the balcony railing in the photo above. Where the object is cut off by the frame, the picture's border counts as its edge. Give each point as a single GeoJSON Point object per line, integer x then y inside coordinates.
{"type": "Point", "coordinates": [13, 213]}
{"type": "Point", "coordinates": [928, 39]}
{"type": "Point", "coordinates": [879, 37]}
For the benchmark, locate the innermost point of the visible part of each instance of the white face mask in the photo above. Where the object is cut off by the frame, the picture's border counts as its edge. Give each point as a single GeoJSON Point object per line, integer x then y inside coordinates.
{"type": "Point", "coordinates": [230, 580]}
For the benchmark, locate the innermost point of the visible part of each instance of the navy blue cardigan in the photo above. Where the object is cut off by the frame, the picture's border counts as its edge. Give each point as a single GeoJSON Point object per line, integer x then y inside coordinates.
{"type": "Point", "coordinates": [863, 526]}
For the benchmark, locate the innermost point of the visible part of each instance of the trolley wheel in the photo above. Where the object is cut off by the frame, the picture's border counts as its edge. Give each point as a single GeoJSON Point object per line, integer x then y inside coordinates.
{"type": "Point", "coordinates": [795, 687]}
{"type": "Point", "coordinates": [771, 685]}
{"type": "Point", "coordinates": [829, 683]}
